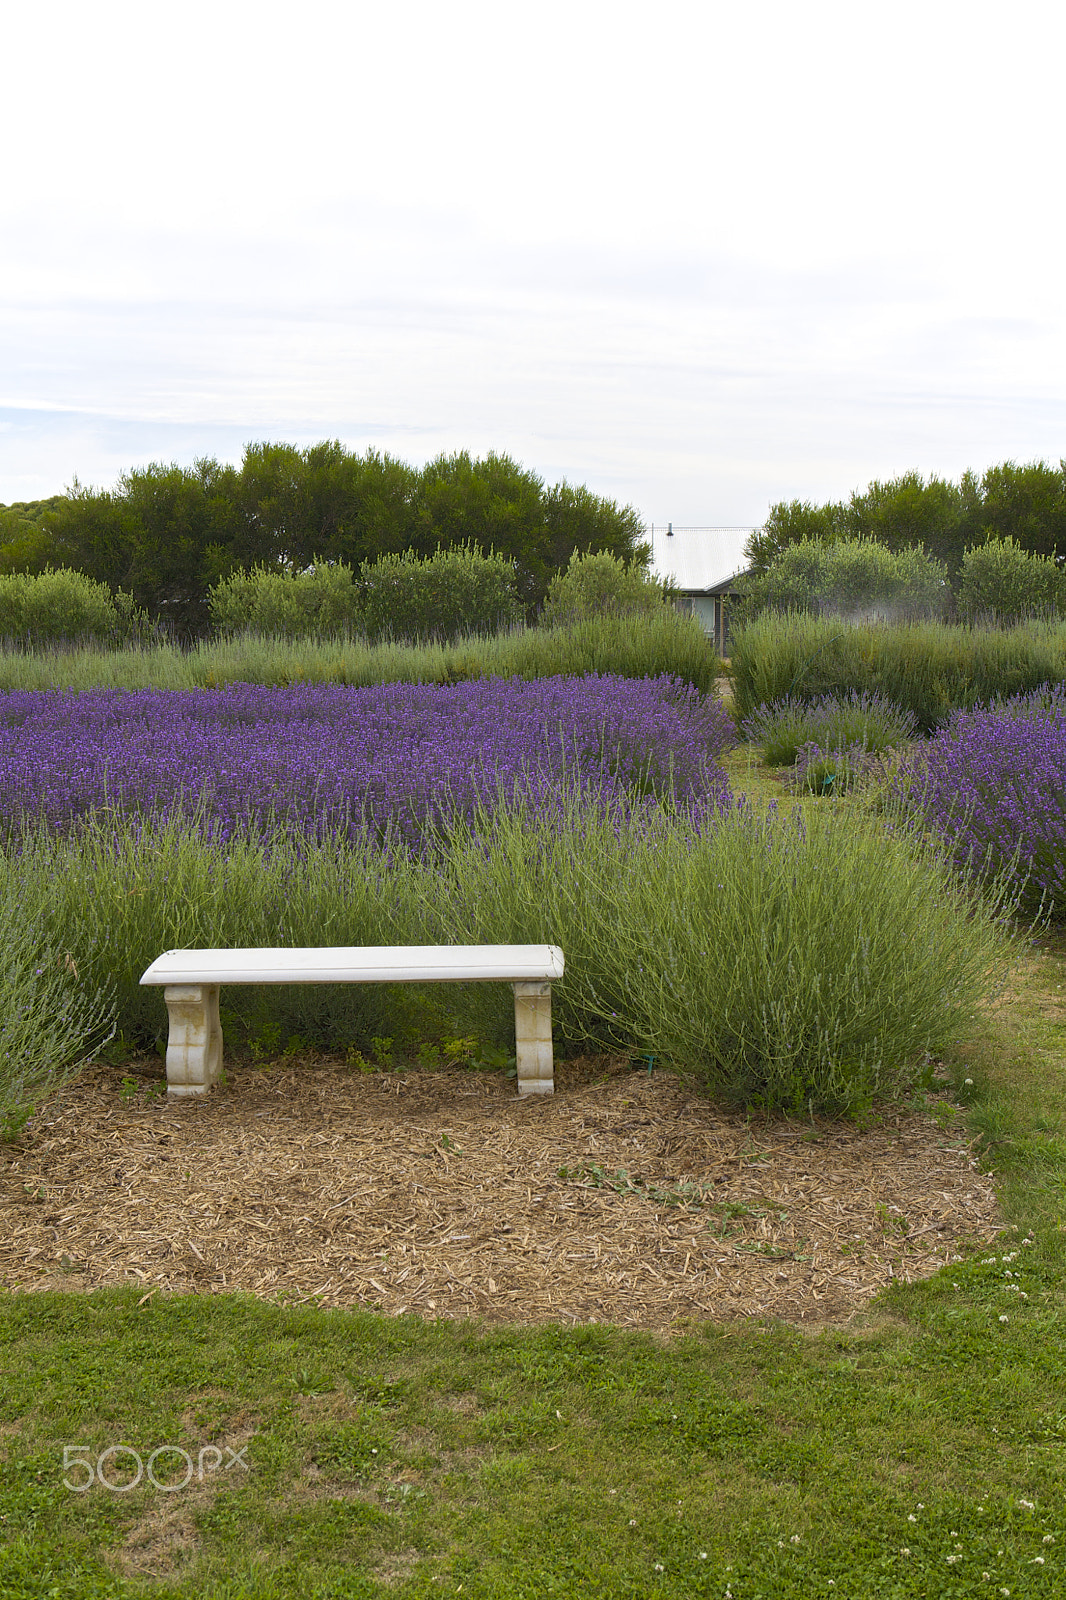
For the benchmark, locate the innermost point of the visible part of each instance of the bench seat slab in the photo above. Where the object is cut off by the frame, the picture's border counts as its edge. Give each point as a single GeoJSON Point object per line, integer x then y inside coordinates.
{"type": "Point", "coordinates": [505, 963]}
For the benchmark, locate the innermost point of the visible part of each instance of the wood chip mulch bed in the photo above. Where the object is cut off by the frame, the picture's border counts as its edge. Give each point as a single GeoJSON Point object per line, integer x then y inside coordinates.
{"type": "Point", "coordinates": [441, 1194]}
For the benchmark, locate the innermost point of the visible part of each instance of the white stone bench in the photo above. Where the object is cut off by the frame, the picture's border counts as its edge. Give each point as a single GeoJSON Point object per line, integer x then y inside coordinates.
{"type": "Point", "coordinates": [191, 981]}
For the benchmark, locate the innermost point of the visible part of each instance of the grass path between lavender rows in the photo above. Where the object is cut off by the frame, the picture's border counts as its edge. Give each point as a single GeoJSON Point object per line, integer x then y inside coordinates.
{"type": "Point", "coordinates": [919, 1452]}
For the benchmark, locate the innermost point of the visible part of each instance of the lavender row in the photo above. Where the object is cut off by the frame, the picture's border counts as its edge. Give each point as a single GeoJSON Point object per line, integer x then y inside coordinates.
{"type": "Point", "coordinates": [992, 784]}
{"type": "Point", "coordinates": [333, 758]}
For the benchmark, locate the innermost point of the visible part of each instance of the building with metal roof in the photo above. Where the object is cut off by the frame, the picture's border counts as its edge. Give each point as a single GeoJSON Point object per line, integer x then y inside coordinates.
{"type": "Point", "coordinates": [702, 564]}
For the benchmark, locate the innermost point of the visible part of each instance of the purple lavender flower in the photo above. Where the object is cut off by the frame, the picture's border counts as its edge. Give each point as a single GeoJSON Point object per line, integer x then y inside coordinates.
{"type": "Point", "coordinates": [992, 785]}
{"type": "Point", "coordinates": [331, 759]}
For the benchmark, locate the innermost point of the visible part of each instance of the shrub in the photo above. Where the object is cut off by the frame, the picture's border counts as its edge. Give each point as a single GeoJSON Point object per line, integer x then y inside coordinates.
{"type": "Point", "coordinates": [288, 605]}
{"type": "Point", "coordinates": [803, 967]}
{"type": "Point", "coordinates": [1003, 583]}
{"type": "Point", "coordinates": [599, 585]}
{"type": "Point", "coordinates": [928, 669]}
{"type": "Point", "coordinates": [854, 578]}
{"type": "Point", "coordinates": [833, 771]}
{"type": "Point", "coordinates": [856, 720]}
{"type": "Point", "coordinates": [990, 785]}
{"type": "Point", "coordinates": [806, 967]}
{"type": "Point", "coordinates": [62, 607]}
{"type": "Point", "coordinates": [454, 592]}
{"type": "Point", "coordinates": [51, 1017]}
{"type": "Point", "coordinates": [660, 644]}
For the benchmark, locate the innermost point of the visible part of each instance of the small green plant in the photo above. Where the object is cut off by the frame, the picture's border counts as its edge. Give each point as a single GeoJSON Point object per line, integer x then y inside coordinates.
{"type": "Point", "coordinates": [266, 1043]}
{"type": "Point", "coordinates": [382, 1049]}
{"type": "Point", "coordinates": [683, 1193]}
{"type": "Point", "coordinates": [459, 1052]}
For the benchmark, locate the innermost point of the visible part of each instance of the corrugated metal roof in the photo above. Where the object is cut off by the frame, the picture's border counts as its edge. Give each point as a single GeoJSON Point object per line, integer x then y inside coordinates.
{"type": "Point", "coordinates": [698, 559]}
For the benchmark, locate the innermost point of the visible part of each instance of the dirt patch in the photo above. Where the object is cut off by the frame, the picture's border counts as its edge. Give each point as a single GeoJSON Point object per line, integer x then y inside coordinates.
{"type": "Point", "coordinates": [622, 1198]}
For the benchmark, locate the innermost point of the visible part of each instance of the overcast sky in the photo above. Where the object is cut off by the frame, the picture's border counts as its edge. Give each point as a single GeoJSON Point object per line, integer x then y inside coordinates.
{"type": "Point", "coordinates": [700, 256]}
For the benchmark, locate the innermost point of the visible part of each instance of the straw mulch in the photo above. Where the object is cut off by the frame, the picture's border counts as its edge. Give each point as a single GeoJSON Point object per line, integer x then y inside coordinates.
{"type": "Point", "coordinates": [440, 1194]}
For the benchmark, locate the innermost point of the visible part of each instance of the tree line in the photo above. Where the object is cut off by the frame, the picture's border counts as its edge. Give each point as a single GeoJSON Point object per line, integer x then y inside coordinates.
{"type": "Point", "coordinates": [1024, 503]}
{"type": "Point", "coordinates": [167, 535]}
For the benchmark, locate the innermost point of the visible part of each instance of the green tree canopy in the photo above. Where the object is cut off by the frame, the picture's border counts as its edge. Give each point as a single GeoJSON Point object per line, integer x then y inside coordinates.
{"type": "Point", "coordinates": [169, 533]}
{"type": "Point", "coordinates": [1025, 503]}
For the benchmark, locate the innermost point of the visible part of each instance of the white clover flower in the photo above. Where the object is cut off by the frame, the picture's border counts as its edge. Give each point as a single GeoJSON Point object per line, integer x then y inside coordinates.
{"type": "Point", "coordinates": [795, 1539]}
{"type": "Point", "coordinates": [1004, 1319]}
{"type": "Point", "coordinates": [1049, 1538]}
{"type": "Point", "coordinates": [911, 1517]}
{"type": "Point", "coordinates": [703, 1555]}
{"type": "Point", "coordinates": [659, 1566]}
{"type": "Point", "coordinates": [904, 1550]}
{"type": "Point", "coordinates": [1037, 1561]}
{"type": "Point", "coordinates": [1029, 1505]}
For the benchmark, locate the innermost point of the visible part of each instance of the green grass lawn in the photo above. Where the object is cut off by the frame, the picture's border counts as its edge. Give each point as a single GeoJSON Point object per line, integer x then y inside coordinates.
{"type": "Point", "coordinates": [919, 1452]}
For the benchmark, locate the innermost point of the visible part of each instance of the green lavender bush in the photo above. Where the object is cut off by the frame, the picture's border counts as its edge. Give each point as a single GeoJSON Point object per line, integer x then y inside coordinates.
{"type": "Point", "coordinates": [661, 642]}
{"type": "Point", "coordinates": [791, 965]}
{"type": "Point", "coordinates": [835, 722]}
{"type": "Point", "coordinates": [928, 669]}
{"type": "Point", "coordinates": [52, 1013]}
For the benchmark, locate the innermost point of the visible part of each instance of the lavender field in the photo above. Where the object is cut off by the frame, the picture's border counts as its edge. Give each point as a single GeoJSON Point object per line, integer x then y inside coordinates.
{"type": "Point", "coordinates": [992, 786]}
{"type": "Point", "coordinates": [331, 760]}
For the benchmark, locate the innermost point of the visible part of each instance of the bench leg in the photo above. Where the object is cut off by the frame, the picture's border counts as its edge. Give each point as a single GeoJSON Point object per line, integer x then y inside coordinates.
{"type": "Point", "coordinates": [194, 1045]}
{"type": "Point", "coordinates": [533, 1037]}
